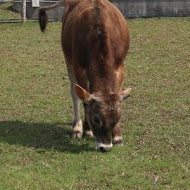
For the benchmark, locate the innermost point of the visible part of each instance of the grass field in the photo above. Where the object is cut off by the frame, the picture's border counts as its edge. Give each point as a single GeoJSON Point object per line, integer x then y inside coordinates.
{"type": "Point", "coordinates": [7, 13]}
{"type": "Point", "coordinates": [36, 152]}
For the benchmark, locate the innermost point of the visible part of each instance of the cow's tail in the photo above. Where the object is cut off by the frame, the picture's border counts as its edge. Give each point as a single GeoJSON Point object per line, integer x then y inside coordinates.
{"type": "Point", "coordinates": [42, 16]}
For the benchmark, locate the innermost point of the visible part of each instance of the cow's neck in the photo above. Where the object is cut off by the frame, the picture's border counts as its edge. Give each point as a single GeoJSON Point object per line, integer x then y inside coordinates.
{"type": "Point", "coordinates": [102, 77]}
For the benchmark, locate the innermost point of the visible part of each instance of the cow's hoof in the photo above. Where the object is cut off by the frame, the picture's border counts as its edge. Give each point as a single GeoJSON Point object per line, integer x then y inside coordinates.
{"type": "Point", "coordinates": [88, 134]}
{"type": "Point", "coordinates": [118, 141]}
{"type": "Point", "coordinates": [77, 131]}
{"type": "Point", "coordinates": [76, 135]}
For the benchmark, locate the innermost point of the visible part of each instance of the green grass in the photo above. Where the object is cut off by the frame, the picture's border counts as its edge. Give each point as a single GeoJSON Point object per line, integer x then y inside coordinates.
{"type": "Point", "coordinates": [7, 13]}
{"type": "Point", "coordinates": [36, 113]}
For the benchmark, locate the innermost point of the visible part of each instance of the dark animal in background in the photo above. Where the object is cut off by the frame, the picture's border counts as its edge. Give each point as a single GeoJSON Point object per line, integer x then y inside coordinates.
{"type": "Point", "coordinates": [95, 41]}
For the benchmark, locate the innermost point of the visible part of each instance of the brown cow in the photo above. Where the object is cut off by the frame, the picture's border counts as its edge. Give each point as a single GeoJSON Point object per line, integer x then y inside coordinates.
{"type": "Point", "coordinates": [95, 41]}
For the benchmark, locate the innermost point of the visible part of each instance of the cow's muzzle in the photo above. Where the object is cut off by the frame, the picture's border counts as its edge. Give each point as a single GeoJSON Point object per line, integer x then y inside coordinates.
{"type": "Point", "coordinates": [100, 147]}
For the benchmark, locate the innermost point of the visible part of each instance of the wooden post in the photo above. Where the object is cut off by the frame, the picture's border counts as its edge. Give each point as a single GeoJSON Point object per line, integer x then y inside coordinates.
{"type": "Point", "coordinates": [23, 14]}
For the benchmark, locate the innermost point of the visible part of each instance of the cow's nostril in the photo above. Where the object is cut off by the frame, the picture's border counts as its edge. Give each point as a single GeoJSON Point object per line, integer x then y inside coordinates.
{"type": "Point", "coordinates": [101, 149]}
{"type": "Point", "coordinates": [104, 149]}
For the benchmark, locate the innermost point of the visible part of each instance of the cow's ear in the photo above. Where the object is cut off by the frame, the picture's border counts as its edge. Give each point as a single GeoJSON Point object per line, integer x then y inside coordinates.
{"type": "Point", "coordinates": [125, 94]}
{"type": "Point", "coordinates": [84, 95]}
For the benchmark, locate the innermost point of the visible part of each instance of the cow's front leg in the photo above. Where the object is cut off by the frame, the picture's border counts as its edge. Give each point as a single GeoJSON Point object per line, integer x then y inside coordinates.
{"type": "Point", "coordinates": [117, 135]}
{"type": "Point", "coordinates": [77, 131]}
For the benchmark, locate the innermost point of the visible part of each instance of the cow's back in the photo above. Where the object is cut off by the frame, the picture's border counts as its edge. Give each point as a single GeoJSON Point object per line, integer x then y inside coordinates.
{"type": "Point", "coordinates": [94, 28]}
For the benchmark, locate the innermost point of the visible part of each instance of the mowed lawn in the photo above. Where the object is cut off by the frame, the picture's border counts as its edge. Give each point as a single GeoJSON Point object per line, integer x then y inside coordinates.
{"type": "Point", "coordinates": [36, 152]}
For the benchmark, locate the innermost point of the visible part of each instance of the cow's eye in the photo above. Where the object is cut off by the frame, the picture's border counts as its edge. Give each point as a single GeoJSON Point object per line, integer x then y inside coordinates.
{"type": "Point", "coordinates": [97, 120]}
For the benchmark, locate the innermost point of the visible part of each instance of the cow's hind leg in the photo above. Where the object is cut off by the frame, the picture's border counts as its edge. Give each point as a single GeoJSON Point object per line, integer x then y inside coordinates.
{"type": "Point", "coordinates": [117, 135]}
{"type": "Point", "coordinates": [87, 130]}
{"type": "Point", "coordinates": [77, 131]}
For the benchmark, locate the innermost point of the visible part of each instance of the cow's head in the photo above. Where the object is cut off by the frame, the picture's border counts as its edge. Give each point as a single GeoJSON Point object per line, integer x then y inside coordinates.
{"type": "Point", "coordinates": [102, 113]}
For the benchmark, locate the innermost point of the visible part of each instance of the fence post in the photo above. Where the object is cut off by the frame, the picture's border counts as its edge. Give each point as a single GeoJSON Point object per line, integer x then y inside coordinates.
{"type": "Point", "coordinates": [23, 14]}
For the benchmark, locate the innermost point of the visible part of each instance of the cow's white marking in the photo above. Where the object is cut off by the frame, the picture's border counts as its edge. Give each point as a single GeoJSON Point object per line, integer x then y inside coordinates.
{"type": "Point", "coordinates": [99, 144]}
